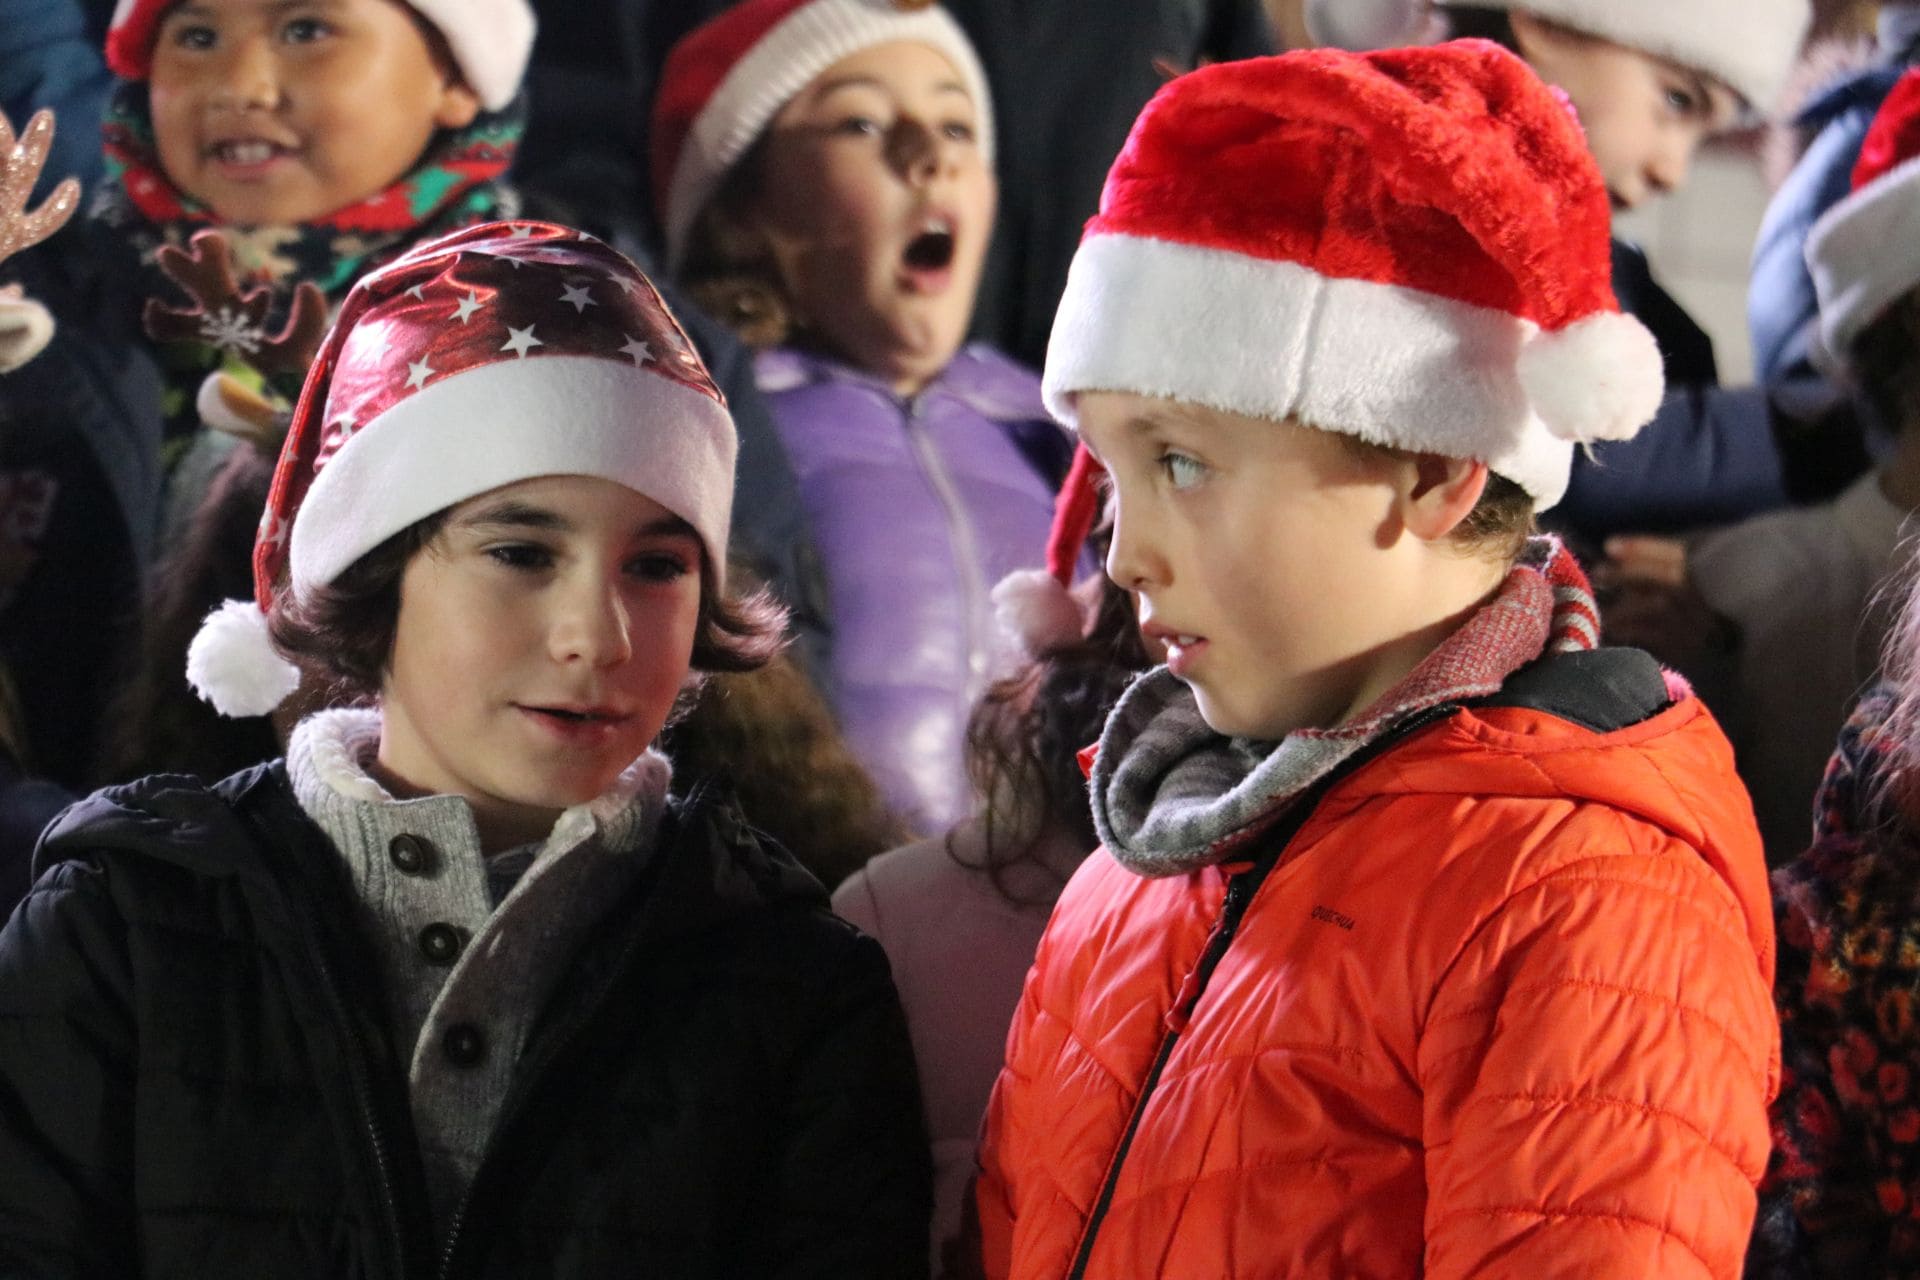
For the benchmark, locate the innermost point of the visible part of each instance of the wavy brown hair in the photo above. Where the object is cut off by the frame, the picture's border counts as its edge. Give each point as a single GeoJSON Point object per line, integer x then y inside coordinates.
{"type": "Point", "coordinates": [1026, 733]}
{"type": "Point", "coordinates": [728, 266]}
{"type": "Point", "coordinates": [770, 738]}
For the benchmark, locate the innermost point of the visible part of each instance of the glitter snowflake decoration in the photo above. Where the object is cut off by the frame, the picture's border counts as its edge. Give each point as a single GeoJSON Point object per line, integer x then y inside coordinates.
{"type": "Point", "coordinates": [232, 332]}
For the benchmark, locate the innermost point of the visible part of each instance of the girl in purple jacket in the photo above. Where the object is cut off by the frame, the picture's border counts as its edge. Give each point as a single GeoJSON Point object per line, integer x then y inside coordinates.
{"type": "Point", "coordinates": [825, 170]}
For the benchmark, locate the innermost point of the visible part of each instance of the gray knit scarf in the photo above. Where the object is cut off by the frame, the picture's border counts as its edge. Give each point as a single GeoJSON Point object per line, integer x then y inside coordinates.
{"type": "Point", "coordinates": [1170, 795]}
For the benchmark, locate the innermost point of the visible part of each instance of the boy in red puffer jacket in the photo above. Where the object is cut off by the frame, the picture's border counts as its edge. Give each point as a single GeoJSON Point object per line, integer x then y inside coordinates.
{"type": "Point", "coordinates": [1428, 936]}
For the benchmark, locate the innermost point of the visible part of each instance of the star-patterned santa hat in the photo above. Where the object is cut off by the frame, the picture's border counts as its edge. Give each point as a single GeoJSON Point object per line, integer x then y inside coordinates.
{"type": "Point", "coordinates": [727, 79]}
{"type": "Point", "coordinates": [1865, 251]}
{"type": "Point", "coordinates": [1411, 247]}
{"type": "Point", "coordinates": [490, 40]}
{"type": "Point", "coordinates": [499, 353]}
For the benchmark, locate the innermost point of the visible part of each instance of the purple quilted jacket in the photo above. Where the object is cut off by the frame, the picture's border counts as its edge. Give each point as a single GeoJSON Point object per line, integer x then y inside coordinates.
{"type": "Point", "coordinates": [918, 507]}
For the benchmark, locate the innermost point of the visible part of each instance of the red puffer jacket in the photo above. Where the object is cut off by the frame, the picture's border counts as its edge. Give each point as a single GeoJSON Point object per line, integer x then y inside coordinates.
{"type": "Point", "coordinates": [1498, 1004]}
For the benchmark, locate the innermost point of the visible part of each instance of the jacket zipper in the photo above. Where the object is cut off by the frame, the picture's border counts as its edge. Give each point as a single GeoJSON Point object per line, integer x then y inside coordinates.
{"type": "Point", "coordinates": [363, 1097]}
{"type": "Point", "coordinates": [1240, 891]}
{"type": "Point", "coordinates": [966, 549]}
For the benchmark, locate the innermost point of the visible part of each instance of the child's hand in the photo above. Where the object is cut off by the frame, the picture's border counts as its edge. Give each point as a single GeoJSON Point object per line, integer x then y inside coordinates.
{"type": "Point", "coordinates": [1647, 602]}
{"type": "Point", "coordinates": [25, 327]}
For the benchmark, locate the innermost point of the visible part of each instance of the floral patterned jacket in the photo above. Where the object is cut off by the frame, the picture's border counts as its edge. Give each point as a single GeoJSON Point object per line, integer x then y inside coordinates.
{"type": "Point", "coordinates": [1842, 1192]}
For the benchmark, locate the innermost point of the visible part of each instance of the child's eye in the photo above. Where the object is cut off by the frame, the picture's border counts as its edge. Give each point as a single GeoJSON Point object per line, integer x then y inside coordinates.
{"type": "Point", "coordinates": [521, 555]}
{"type": "Point", "coordinates": [1682, 102]}
{"type": "Point", "coordinates": [957, 131]}
{"type": "Point", "coordinates": [192, 37]}
{"type": "Point", "coordinates": [304, 31]}
{"type": "Point", "coordinates": [858, 127]}
{"type": "Point", "coordinates": [659, 566]}
{"type": "Point", "coordinates": [1182, 472]}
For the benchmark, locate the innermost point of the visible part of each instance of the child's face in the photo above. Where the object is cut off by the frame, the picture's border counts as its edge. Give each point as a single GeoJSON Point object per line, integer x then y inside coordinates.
{"type": "Point", "coordinates": [270, 112]}
{"type": "Point", "coordinates": [1258, 554]}
{"type": "Point", "coordinates": [543, 636]}
{"type": "Point", "coordinates": [878, 203]}
{"type": "Point", "coordinates": [1644, 116]}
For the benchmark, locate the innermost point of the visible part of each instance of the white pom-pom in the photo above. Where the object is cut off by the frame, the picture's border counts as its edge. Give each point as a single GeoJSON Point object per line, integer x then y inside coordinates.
{"type": "Point", "coordinates": [1036, 612]}
{"type": "Point", "coordinates": [233, 665]}
{"type": "Point", "coordinates": [1600, 378]}
{"type": "Point", "coordinates": [1360, 25]}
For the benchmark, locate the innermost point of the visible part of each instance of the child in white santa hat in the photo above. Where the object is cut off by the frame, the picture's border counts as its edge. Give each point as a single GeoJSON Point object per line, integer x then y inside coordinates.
{"type": "Point", "coordinates": [457, 979]}
{"type": "Point", "coordinates": [1427, 936]}
{"type": "Point", "coordinates": [824, 169]}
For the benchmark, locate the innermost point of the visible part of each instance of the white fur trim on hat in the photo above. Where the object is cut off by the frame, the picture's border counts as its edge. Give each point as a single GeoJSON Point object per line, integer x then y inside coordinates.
{"type": "Point", "coordinates": [515, 420]}
{"type": "Point", "coordinates": [1864, 254]}
{"type": "Point", "coordinates": [1272, 339]}
{"type": "Point", "coordinates": [233, 665]}
{"type": "Point", "coordinates": [1749, 45]}
{"type": "Point", "coordinates": [782, 63]}
{"type": "Point", "coordinates": [490, 39]}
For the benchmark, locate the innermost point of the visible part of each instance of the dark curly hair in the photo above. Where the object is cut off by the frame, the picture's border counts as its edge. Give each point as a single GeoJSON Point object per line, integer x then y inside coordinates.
{"type": "Point", "coordinates": [1464, 23]}
{"type": "Point", "coordinates": [1025, 736]}
{"type": "Point", "coordinates": [155, 723]}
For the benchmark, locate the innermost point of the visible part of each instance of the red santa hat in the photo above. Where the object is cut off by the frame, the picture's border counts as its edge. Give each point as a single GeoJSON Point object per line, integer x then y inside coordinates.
{"type": "Point", "coordinates": [1411, 247]}
{"type": "Point", "coordinates": [727, 79]}
{"type": "Point", "coordinates": [1865, 251]}
{"type": "Point", "coordinates": [491, 40]}
{"type": "Point", "coordinates": [1747, 45]}
{"type": "Point", "coordinates": [499, 353]}
{"type": "Point", "coordinates": [1035, 607]}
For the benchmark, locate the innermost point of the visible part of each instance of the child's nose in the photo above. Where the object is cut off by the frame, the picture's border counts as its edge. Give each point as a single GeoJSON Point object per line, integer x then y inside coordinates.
{"type": "Point", "coordinates": [593, 627]}
{"type": "Point", "coordinates": [1130, 561]}
{"type": "Point", "coordinates": [1667, 166]}
{"type": "Point", "coordinates": [913, 149]}
{"type": "Point", "coordinates": [251, 76]}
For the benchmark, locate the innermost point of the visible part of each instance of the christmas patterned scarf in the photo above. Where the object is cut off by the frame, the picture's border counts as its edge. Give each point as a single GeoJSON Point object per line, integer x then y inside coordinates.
{"type": "Point", "coordinates": [1170, 795]}
{"type": "Point", "coordinates": [458, 182]}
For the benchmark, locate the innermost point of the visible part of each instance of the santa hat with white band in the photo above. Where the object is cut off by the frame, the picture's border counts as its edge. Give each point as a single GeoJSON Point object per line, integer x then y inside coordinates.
{"type": "Point", "coordinates": [1864, 252]}
{"type": "Point", "coordinates": [1411, 247]}
{"type": "Point", "coordinates": [725, 81]}
{"type": "Point", "coordinates": [1747, 45]}
{"type": "Point", "coordinates": [496, 354]}
{"type": "Point", "coordinates": [491, 40]}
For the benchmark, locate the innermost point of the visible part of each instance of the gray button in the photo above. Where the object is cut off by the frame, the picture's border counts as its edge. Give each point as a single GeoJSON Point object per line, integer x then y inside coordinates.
{"type": "Point", "coordinates": [411, 855]}
{"type": "Point", "coordinates": [442, 943]}
{"type": "Point", "coordinates": [464, 1045]}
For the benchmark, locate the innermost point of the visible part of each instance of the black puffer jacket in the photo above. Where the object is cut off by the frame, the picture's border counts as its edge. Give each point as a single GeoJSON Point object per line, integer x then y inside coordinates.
{"type": "Point", "coordinates": [195, 1079]}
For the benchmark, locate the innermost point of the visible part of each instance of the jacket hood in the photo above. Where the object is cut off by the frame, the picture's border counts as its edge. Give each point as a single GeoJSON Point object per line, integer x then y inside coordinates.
{"type": "Point", "coordinates": [1606, 727]}
{"type": "Point", "coordinates": [1673, 770]}
{"type": "Point", "coordinates": [173, 818]}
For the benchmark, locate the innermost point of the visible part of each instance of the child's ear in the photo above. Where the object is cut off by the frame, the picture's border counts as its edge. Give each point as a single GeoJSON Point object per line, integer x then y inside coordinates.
{"type": "Point", "coordinates": [1434, 493]}
{"type": "Point", "coordinates": [458, 105]}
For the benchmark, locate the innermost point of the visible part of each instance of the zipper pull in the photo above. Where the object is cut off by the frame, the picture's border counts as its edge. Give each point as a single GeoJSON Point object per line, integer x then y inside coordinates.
{"type": "Point", "coordinates": [1239, 890]}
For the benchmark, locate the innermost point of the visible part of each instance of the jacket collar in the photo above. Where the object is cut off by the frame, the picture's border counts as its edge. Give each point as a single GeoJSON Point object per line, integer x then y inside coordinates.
{"type": "Point", "coordinates": [1170, 795]}
{"type": "Point", "coordinates": [978, 377]}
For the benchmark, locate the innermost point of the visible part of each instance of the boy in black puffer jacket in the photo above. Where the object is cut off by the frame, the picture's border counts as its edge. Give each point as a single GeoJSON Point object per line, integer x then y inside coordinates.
{"type": "Point", "coordinates": [457, 984]}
